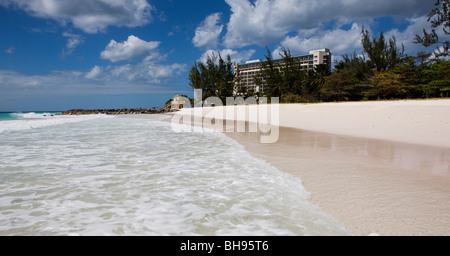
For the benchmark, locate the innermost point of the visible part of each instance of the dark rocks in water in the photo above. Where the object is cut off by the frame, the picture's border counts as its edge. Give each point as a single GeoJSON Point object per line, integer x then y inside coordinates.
{"type": "Point", "coordinates": [124, 111]}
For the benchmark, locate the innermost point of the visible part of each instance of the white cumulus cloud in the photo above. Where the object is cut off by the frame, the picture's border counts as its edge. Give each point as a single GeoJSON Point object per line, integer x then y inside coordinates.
{"type": "Point", "coordinates": [143, 77]}
{"type": "Point", "coordinates": [406, 37]}
{"type": "Point", "coordinates": [148, 72]}
{"type": "Point", "coordinates": [264, 22]}
{"type": "Point", "coordinates": [91, 16]}
{"type": "Point", "coordinates": [345, 41]}
{"type": "Point", "coordinates": [340, 41]}
{"type": "Point", "coordinates": [236, 56]}
{"type": "Point", "coordinates": [208, 33]}
{"type": "Point", "coordinates": [95, 72]}
{"type": "Point", "coordinates": [131, 49]}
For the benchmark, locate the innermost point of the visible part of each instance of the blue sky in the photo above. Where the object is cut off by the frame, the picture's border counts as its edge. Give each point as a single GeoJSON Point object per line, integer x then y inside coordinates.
{"type": "Point", "coordinates": [65, 54]}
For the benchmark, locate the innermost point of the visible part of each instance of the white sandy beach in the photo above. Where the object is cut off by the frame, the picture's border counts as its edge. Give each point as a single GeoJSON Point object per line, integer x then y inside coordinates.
{"type": "Point", "coordinates": [379, 167]}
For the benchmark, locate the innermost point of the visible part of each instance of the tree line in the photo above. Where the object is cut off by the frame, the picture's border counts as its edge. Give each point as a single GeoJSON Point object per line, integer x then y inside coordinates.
{"type": "Point", "coordinates": [383, 71]}
{"type": "Point", "coordinates": [215, 77]}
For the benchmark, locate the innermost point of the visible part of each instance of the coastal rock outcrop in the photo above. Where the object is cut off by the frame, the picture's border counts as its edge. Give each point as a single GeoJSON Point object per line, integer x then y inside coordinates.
{"type": "Point", "coordinates": [123, 111]}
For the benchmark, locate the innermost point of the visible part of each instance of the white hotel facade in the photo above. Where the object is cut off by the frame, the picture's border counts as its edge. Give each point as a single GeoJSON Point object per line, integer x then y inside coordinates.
{"type": "Point", "coordinates": [247, 71]}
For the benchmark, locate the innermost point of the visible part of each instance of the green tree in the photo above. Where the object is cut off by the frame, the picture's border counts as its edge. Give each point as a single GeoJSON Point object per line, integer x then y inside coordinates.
{"type": "Point", "coordinates": [195, 80]}
{"type": "Point", "coordinates": [383, 55]}
{"type": "Point", "coordinates": [438, 16]}
{"type": "Point", "coordinates": [289, 72]}
{"type": "Point", "coordinates": [215, 77]}
{"type": "Point", "coordinates": [349, 81]}
{"type": "Point", "coordinates": [294, 79]}
{"type": "Point", "coordinates": [312, 83]}
{"type": "Point", "coordinates": [411, 70]}
{"type": "Point", "coordinates": [406, 80]}
{"type": "Point", "coordinates": [344, 85]}
{"type": "Point", "coordinates": [358, 65]}
{"type": "Point", "coordinates": [387, 85]}
{"type": "Point", "coordinates": [224, 78]}
{"type": "Point", "coordinates": [269, 77]}
{"type": "Point", "coordinates": [437, 76]}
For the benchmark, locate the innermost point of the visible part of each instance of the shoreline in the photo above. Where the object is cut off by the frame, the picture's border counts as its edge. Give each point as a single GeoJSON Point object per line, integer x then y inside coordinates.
{"type": "Point", "coordinates": [367, 180]}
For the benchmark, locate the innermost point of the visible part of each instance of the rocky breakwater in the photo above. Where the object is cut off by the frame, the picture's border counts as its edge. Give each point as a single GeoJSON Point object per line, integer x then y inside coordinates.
{"type": "Point", "coordinates": [124, 111]}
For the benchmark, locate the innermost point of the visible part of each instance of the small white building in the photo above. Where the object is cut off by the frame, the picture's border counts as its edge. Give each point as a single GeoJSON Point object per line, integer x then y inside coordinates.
{"type": "Point", "coordinates": [179, 102]}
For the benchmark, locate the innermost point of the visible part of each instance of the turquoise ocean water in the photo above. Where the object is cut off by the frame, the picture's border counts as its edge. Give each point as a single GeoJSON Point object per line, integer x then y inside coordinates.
{"type": "Point", "coordinates": [8, 116]}
{"type": "Point", "coordinates": [23, 115]}
{"type": "Point", "coordinates": [133, 175]}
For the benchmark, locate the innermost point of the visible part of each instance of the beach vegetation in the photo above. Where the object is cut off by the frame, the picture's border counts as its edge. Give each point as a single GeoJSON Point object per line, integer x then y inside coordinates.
{"type": "Point", "coordinates": [437, 77]}
{"type": "Point", "coordinates": [344, 86]}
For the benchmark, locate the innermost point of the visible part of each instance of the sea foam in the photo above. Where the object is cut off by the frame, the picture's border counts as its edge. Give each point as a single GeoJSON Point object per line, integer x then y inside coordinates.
{"type": "Point", "coordinates": [28, 121]}
{"type": "Point", "coordinates": [132, 175]}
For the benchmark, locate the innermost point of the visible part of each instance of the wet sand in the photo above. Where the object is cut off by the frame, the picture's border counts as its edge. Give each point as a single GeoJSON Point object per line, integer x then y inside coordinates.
{"type": "Point", "coordinates": [371, 186]}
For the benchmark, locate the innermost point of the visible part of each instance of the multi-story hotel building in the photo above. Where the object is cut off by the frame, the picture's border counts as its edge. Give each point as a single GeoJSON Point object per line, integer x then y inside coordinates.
{"type": "Point", "coordinates": [246, 72]}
